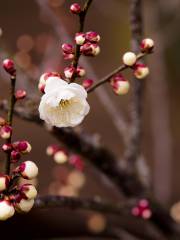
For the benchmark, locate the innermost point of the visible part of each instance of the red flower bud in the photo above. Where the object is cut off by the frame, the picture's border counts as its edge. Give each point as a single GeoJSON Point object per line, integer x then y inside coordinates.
{"type": "Point", "coordinates": [67, 48]}
{"type": "Point", "coordinates": [147, 45]}
{"type": "Point", "coordinates": [90, 49]}
{"type": "Point", "coordinates": [22, 146]}
{"type": "Point", "coordinates": [69, 72]}
{"type": "Point", "coordinates": [87, 83]}
{"type": "Point", "coordinates": [142, 209]}
{"type": "Point", "coordinates": [141, 71]}
{"type": "Point", "coordinates": [68, 56]}
{"type": "Point", "coordinates": [15, 156]}
{"type": "Point", "coordinates": [20, 94]}
{"type": "Point", "coordinates": [120, 84]}
{"type": "Point", "coordinates": [8, 65]}
{"type": "Point", "coordinates": [92, 37]}
{"type": "Point", "coordinates": [5, 131]}
{"type": "Point", "coordinates": [75, 8]}
{"type": "Point", "coordinates": [77, 162]}
{"type": "Point", "coordinates": [7, 147]}
{"type": "Point", "coordinates": [80, 71]}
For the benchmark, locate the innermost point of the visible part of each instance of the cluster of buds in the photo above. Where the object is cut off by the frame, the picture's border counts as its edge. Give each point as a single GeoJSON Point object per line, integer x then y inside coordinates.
{"type": "Point", "coordinates": [142, 209]}
{"type": "Point", "coordinates": [71, 71]}
{"type": "Point", "coordinates": [43, 79]}
{"type": "Point", "coordinates": [130, 59]}
{"type": "Point", "coordinates": [14, 197]}
{"type": "Point", "coordinates": [16, 149]}
{"type": "Point", "coordinates": [119, 84]}
{"type": "Point", "coordinates": [61, 156]}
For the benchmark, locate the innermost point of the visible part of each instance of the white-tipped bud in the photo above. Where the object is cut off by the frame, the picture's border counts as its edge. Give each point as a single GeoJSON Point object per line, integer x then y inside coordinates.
{"type": "Point", "coordinates": [129, 59]}
{"type": "Point", "coordinates": [6, 210]}
{"type": "Point", "coordinates": [4, 182]}
{"type": "Point", "coordinates": [80, 71]}
{"type": "Point", "coordinates": [6, 131]}
{"type": "Point", "coordinates": [80, 38]}
{"type": "Point", "coordinates": [141, 71]}
{"type": "Point", "coordinates": [60, 157]}
{"type": "Point", "coordinates": [147, 45]}
{"type": "Point", "coordinates": [29, 191]}
{"type": "Point", "coordinates": [52, 149]}
{"type": "Point", "coordinates": [120, 84]}
{"type": "Point", "coordinates": [28, 170]}
{"type": "Point", "coordinates": [24, 205]}
{"type": "Point", "coordinates": [22, 146]}
{"type": "Point", "coordinates": [69, 72]}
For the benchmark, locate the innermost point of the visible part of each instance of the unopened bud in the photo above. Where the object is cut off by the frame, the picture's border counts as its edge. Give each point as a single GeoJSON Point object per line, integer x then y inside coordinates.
{"type": "Point", "coordinates": [60, 157]}
{"type": "Point", "coordinates": [22, 146]}
{"type": "Point", "coordinates": [69, 72]}
{"type": "Point", "coordinates": [141, 71]}
{"type": "Point", "coordinates": [90, 49]}
{"type": "Point", "coordinates": [6, 131]}
{"type": "Point", "coordinates": [15, 156]}
{"type": "Point", "coordinates": [92, 37]}
{"type": "Point", "coordinates": [147, 45]}
{"type": "Point", "coordinates": [120, 85]}
{"type": "Point", "coordinates": [129, 58]}
{"type": "Point", "coordinates": [52, 149]}
{"type": "Point", "coordinates": [80, 38]}
{"type": "Point", "coordinates": [28, 170]}
{"type": "Point", "coordinates": [87, 83]}
{"type": "Point", "coordinates": [80, 71]}
{"type": "Point", "coordinates": [4, 182]}
{"type": "Point", "coordinates": [75, 8]}
{"type": "Point", "coordinates": [24, 205]}
{"type": "Point", "coordinates": [6, 210]}
{"type": "Point", "coordinates": [20, 94]}
{"type": "Point", "coordinates": [67, 48]}
{"type": "Point", "coordinates": [7, 147]}
{"type": "Point", "coordinates": [29, 191]}
{"type": "Point", "coordinates": [8, 65]}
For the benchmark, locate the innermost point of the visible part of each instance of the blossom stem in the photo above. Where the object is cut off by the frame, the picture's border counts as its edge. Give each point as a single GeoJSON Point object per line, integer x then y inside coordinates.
{"type": "Point", "coordinates": [82, 17]}
{"type": "Point", "coordinates": [117, 70]}
{"type": "Point", "coordinates": [12, 102]}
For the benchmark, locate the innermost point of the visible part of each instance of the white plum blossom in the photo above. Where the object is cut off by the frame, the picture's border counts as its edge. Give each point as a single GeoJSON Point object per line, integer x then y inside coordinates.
{"type": "Point", "coordinates": [63, 104]}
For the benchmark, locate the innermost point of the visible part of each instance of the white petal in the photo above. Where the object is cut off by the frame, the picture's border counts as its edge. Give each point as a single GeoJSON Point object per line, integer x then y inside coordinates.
{"type": "Point", "coordinates": [54, 83]}
{"type": "Point", "coordinates": [78, 89]}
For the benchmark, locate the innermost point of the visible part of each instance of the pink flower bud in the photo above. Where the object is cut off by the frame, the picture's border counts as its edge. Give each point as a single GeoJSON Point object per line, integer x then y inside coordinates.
{"type": "Point", "coordinates": [92, 37]}
{"type": "Point", "coordinates": [28, 191]}
{"type": "Point", "coordinates": [20, 94]}
{"type": "Point", "coordinates": [22, 146]}
{"type": "Point", "coordinates": [87, 83]}
{"type": "Point", "coordinates": [80, 38]}
{"type": "Point", "coordinates": [90, 49]}
{"type": "Point", "coordinates": [7, 147]}
{"type": "Point", "coordinates": [4, 182]}
{"type": "Point", "coordinates": [52, 149]}
{"type": "Point", "coordinates": [2, 121]}
{"type": "Point", "coordinates": [60, 157]}
{"type": "Point", "coordinates": [67, 48]}
{"type": "Point", "coordinates": [75, 8]}
{"type": "Point", "coordinates": [69, 72]}
{"type": "Point", "coordinates": [80, 71]}
{"type": "Point", "coordinates": [28, 170]}
{"type": "Point", "coordinates": [43, 79]}
{"type": "Point", "coordinates": [141, 71]}
{"type": "Point", "coordinates": [6, 210]}
{"type": "Point", "coordinates": [24, 205]}
{"type": "Point", "coordinates": [120, 84]}
{"type": "Point", "coordinates": [147, 45]}
{"type": "Point", "coordinates": [77, 162]}
{"type": "Point", "coordinates": [6, 131]}
{"type": "Point", "coordinates": [8, 65]}
{"type": "Point", "coordinates": [15, 156]}
{"type": "Point", "coordinates": [68, 56]}
{"type": "Point", "coordinates": [129, 58]}
{"type": "Point", "coordinates": [142, 209]}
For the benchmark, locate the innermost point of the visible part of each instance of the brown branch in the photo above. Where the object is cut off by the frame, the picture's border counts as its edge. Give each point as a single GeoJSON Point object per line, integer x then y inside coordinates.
{"type": "Point", "coordinates": [110, 75]}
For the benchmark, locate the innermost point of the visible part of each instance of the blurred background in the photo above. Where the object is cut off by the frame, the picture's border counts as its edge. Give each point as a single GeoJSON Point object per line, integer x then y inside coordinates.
{"type": "Point", "coordinates": [32, 32]}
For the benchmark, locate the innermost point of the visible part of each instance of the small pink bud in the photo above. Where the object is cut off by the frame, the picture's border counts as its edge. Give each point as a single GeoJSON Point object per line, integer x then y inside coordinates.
{"type": "Point", "coordinates": [6, 131]}
{"type": "Point", "coordinates": [2, 121]}
{"type": "Point", "coordinates": [22, 146]}
{"type": "Point", "coordinates": [147, 45]}
{"type": "Point", "coordinates": [20, 94]}
{"type": "Point", "coordinates": [8, 65]}
{"type": "Point", "coordinates": [90, 49]}
{"type": "Point", "coordinates": [7, 147]}
{"type": "Point", "coordinates": [77, 162]}
{"type": "Point", "coordinates": [4, 182]}
{"type": "Point", "coordinates": [129, 58]}
{"type": "Point", "coordinates": [60, 157]}
{"type": "Point", "coordinates": [120, 84]}
{"type": "Point", "coordinates": [28, 170]}
{"type": "Point", "coordinates": [15, 156]}
{"type": "Point", "coordinates": [141, 71]}
{"type": "Point", "coordinates": [87, 83]}
{"type": "Point", "coordinates": [142, 209]}
{"type": "Point", "coordinates": [68, 56]}
{"type": "Point", "coordinates": [52, 149]}
{"type": "Point", "coordinates": [92, 37]}
{"type": "Point", "coordinates": [29, 191]}
{"type": "Point", "coordinates": [80, 71]}
{"type": "Point", "coordinates": [75, 8]}
{"type": "Point", "coordinates": [80, 38]}
{"type": "Point", "coordinates": [69, 72]}
{"type": "Point", "coordinates": [6, 210]}
{"type": "Point", "coordinates": [41, 87]}
{"type": "Point", "coordinates": [67, 48]}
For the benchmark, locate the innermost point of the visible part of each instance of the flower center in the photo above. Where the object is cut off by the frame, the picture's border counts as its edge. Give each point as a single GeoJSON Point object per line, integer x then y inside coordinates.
{"type": "Point", "coordinates": [64, 103]}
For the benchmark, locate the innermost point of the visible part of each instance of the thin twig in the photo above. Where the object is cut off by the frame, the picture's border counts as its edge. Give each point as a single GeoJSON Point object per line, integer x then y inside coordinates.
{"type": "Point", "coordinates": [10, 119]}
{"type": "Point", "coordinates": [117, 70]}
